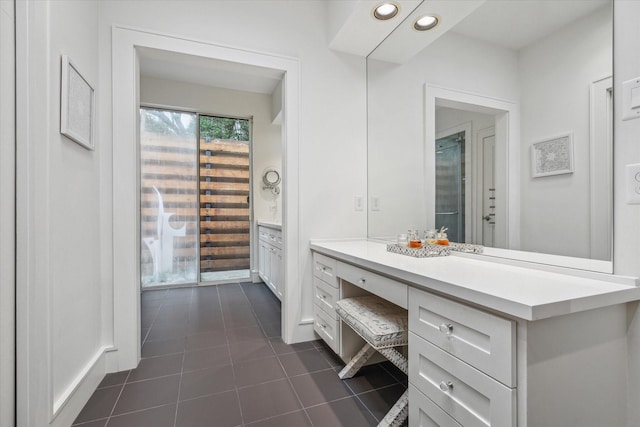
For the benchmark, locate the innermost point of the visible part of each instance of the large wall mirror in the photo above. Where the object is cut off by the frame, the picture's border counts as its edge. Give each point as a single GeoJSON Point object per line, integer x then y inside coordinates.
{"type": "Point", "coordinates": [497, 124]}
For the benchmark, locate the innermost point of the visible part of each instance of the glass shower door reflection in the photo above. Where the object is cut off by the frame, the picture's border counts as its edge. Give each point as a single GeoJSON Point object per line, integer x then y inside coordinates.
{"type": "Point", "coordinates": [449, 186]}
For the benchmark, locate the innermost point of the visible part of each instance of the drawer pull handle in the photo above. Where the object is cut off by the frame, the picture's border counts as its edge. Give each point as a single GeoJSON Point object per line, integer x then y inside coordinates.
{"type": "Point", "coordinates": [323, 297]}
{"type": "Point", "coordinates": [446, 386]}
{"type": "Point", "coordinates": [361, 282]}
{"type": "Point", "coordinates": [446, 328]}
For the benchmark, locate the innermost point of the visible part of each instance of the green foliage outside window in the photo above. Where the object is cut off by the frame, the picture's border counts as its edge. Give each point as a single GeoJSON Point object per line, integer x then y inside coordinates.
{"type": "Point", "coordinates": [171, 123]}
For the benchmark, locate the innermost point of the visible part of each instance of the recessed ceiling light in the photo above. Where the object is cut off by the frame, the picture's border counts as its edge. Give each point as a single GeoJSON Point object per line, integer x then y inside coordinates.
{"type": "Point", "coordinates": [385, 11]}
{"type": "Point", "coordinates": [425, 23]}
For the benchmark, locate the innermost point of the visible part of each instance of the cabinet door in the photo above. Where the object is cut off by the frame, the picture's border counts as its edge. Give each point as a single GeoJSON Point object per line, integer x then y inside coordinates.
{"type": "Point", "coordinates": [262, 259]}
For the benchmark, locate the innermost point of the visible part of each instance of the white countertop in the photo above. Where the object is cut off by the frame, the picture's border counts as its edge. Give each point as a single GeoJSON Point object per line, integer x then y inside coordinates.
{"type": "Point", "coordinates": [525, 293]}
{"type": "Point", "coordinates": [269, 224]}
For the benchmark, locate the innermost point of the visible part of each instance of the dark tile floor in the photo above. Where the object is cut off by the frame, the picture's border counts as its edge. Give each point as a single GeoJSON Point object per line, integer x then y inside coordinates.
{"type": "Point", "coordinates": [213, 356]}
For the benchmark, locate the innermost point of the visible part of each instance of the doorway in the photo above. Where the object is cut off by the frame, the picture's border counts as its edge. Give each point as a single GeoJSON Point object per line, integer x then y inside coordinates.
{"type": "Point", "coordinates": [127, 47]}
{"type": "Point", "coordinates": [447, 111]}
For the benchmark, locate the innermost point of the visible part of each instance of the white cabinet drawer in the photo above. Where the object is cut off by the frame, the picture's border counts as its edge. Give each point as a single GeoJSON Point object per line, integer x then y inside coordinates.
{"type": "Point", "coordinates": [270, 235]}
{"type": "Point", "coordinates": [324, 268]}
{"type": "Point", "coordinates": [386, 288]}
{"type": "Point", "coordinates": [469, 396]}
{"type": "Point", "coordinates": [325, 297]}
{"type": "Point", "coordinates": [327, 327]}
{"type": "Point", "coordinates": [478, 338]}
{"type": "Point", "coordinates": [424, 413]}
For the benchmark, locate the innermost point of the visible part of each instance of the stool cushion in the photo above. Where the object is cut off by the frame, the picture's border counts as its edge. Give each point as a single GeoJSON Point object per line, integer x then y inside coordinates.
{"type": "Point", "coordinates": [381, 323]}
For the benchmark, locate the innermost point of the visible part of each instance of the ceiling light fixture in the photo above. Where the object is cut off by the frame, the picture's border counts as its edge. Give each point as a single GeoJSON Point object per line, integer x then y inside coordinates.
{"type": "Point", "coordinates": [385, 11]}
{"type": "Point", "coordinates": [425, 23]}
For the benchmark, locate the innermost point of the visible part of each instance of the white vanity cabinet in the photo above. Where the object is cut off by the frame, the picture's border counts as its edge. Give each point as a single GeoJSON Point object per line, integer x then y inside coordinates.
{"type": "Point", "coordinates": [270, 263]}
{"type": "Point", "coordinates": [490, 345]}
{"type": "Point", "coordinates": [325, 294]}
{"type": "Point", "coordinates": [463, 360]}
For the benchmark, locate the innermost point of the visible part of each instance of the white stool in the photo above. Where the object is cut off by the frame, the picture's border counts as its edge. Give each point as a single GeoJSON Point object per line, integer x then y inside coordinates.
{"type": "Point", "coordinates": [383, 326]}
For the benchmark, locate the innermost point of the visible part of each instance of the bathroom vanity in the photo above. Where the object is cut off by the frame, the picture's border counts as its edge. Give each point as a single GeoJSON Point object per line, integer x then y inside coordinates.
{"type": "Point", "coordinates": [490, 344]}
{"type": "Point", "coordinates": [270, 264]}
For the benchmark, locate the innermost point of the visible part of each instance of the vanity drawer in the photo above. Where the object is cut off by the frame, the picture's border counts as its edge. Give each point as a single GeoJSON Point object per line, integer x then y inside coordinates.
{"type": "Point", "coordinates": [483, 340]}
{"type": "Point", "coordinates": [424, 413]}
{"type": "Point", "coordinates": [388, 289]}
{"type": "Point", "coordinates": [327, 327]}
{"type": "Point", "coordinates": [469, 396]}
{"type": "Point", "coordinates": [270, 235]}
{"type": "Point", "coordinates": [325, 297]}
{"type": "Point", "coordinates": [324, 268]}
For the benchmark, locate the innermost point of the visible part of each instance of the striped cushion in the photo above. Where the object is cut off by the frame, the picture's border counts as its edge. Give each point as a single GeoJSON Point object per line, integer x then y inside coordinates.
{"type": "Point", "coordinates": [381, 323]}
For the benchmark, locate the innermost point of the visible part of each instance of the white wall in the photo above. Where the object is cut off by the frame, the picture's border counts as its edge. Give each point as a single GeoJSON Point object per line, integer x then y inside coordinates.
{"type": "Point", "coordinates": [447, 118]}
{"type": "Point", "coordinates": [332, 116]}
{"type": "Point", "coordinates": [60, 348]}
{"type": "Point", "coordinates": [396, 120]}
{"type": "Point", "coordinates": [555, 100]}
{"type": "Point", "coordinates": [7, 215]}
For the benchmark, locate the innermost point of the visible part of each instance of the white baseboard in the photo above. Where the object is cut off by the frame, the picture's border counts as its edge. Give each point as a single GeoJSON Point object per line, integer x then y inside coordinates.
{"type": "Point", "coordinates": [70, 402]}
{"type": "Point", "coordinates": [255, 276]}
{"type": "Point", "coordinates": [303, 332]}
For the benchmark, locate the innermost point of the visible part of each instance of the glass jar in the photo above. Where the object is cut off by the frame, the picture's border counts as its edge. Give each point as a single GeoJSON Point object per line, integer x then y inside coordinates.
{"type": "Point", "coordinates": [431, 237]}
{"type": "Point", "coordinates": [443, 239]}
{"type": "Point", "coordinates": [414, 239]}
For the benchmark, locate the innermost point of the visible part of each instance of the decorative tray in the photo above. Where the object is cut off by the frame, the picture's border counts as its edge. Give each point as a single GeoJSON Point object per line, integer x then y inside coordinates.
{"type": "Point", "coordinates": [466, 247]}
{"type": "Point", "coordinates": [434, 250]}
{"type": "Point", "coordinates": [423, 252]}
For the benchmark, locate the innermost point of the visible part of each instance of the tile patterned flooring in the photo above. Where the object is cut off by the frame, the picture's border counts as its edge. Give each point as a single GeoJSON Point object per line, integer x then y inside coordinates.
{"type": "Point", "coordinates": [213, 356]}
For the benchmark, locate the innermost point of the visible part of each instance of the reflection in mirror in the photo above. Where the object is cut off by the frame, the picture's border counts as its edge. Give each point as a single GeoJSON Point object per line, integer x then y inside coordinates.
{"type": "Point", "coordinates": [451, 131]}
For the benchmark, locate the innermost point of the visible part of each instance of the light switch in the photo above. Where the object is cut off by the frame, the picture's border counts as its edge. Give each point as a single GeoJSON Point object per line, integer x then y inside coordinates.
{"type": "Point", "coordinates": [375, 203]}
{"type": "Point", "coordinates": [633, 184]}
{"type": "Point", "coordinates": [631, 99]}
{"type": "Point", "coordinates": [359, 203]}
{"type": "Point", "coordinates": [635, 97]}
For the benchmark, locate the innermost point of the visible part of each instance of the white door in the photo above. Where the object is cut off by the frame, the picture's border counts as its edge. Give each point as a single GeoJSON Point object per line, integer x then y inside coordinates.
{"type": "Point", "coordinates": [488, 212]}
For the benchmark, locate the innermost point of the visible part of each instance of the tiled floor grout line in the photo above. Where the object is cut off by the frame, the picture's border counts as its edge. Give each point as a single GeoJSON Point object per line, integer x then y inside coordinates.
{"type": "Point", "coordinates": [226, 337]}
{"type": "Point", "coordinates": [117, 399]}
{"type": "Point", "coordinates": [184, 352]}
{"type": "Point", "coordinates": [278, 358]}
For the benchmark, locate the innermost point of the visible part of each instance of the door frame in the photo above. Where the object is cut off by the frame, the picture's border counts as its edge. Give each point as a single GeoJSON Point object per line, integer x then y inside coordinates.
{"type": "Point", "coordinates": [507, 128]}
{"type": "Point", "coordinates": [126, 242]}
{"type": "Point", "coordinates": [478, 223]}
{"type": "Point", "coordinates": [601, 179]}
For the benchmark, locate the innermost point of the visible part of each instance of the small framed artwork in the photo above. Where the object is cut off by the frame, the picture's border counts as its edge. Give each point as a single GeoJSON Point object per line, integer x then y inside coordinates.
{"type": "Point", "coordinates": [553, 156]}
{"type": "Point", "coordinates": [77, 106]}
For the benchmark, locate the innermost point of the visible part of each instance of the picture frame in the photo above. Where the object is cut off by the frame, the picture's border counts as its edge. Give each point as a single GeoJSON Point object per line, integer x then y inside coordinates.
{"type": "Point", "coordinates": [77, 106]}
{"type": "Point", "coordinates": [552, 156]}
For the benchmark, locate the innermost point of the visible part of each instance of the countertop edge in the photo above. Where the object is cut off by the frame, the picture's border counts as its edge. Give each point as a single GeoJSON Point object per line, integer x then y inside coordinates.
{"type": "Point", "coordinates": [268, 224]}
{"type": "Point", "coordinates": [506, 306]}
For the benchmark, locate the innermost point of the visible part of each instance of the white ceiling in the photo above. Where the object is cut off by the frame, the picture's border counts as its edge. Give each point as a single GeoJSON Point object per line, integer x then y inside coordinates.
{"type": "Point", "coordinates": [515, 24]}
{"type": "Point", "coordinates": [509, 23]}
{"type": "Point", "coordinates": [207, 72]}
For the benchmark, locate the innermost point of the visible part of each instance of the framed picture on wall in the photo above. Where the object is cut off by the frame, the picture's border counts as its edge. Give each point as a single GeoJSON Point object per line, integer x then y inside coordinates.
{"type": "Point", "coordinates": [77, 106]}
{"type": "Point", "coordinates": [552, 156]}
